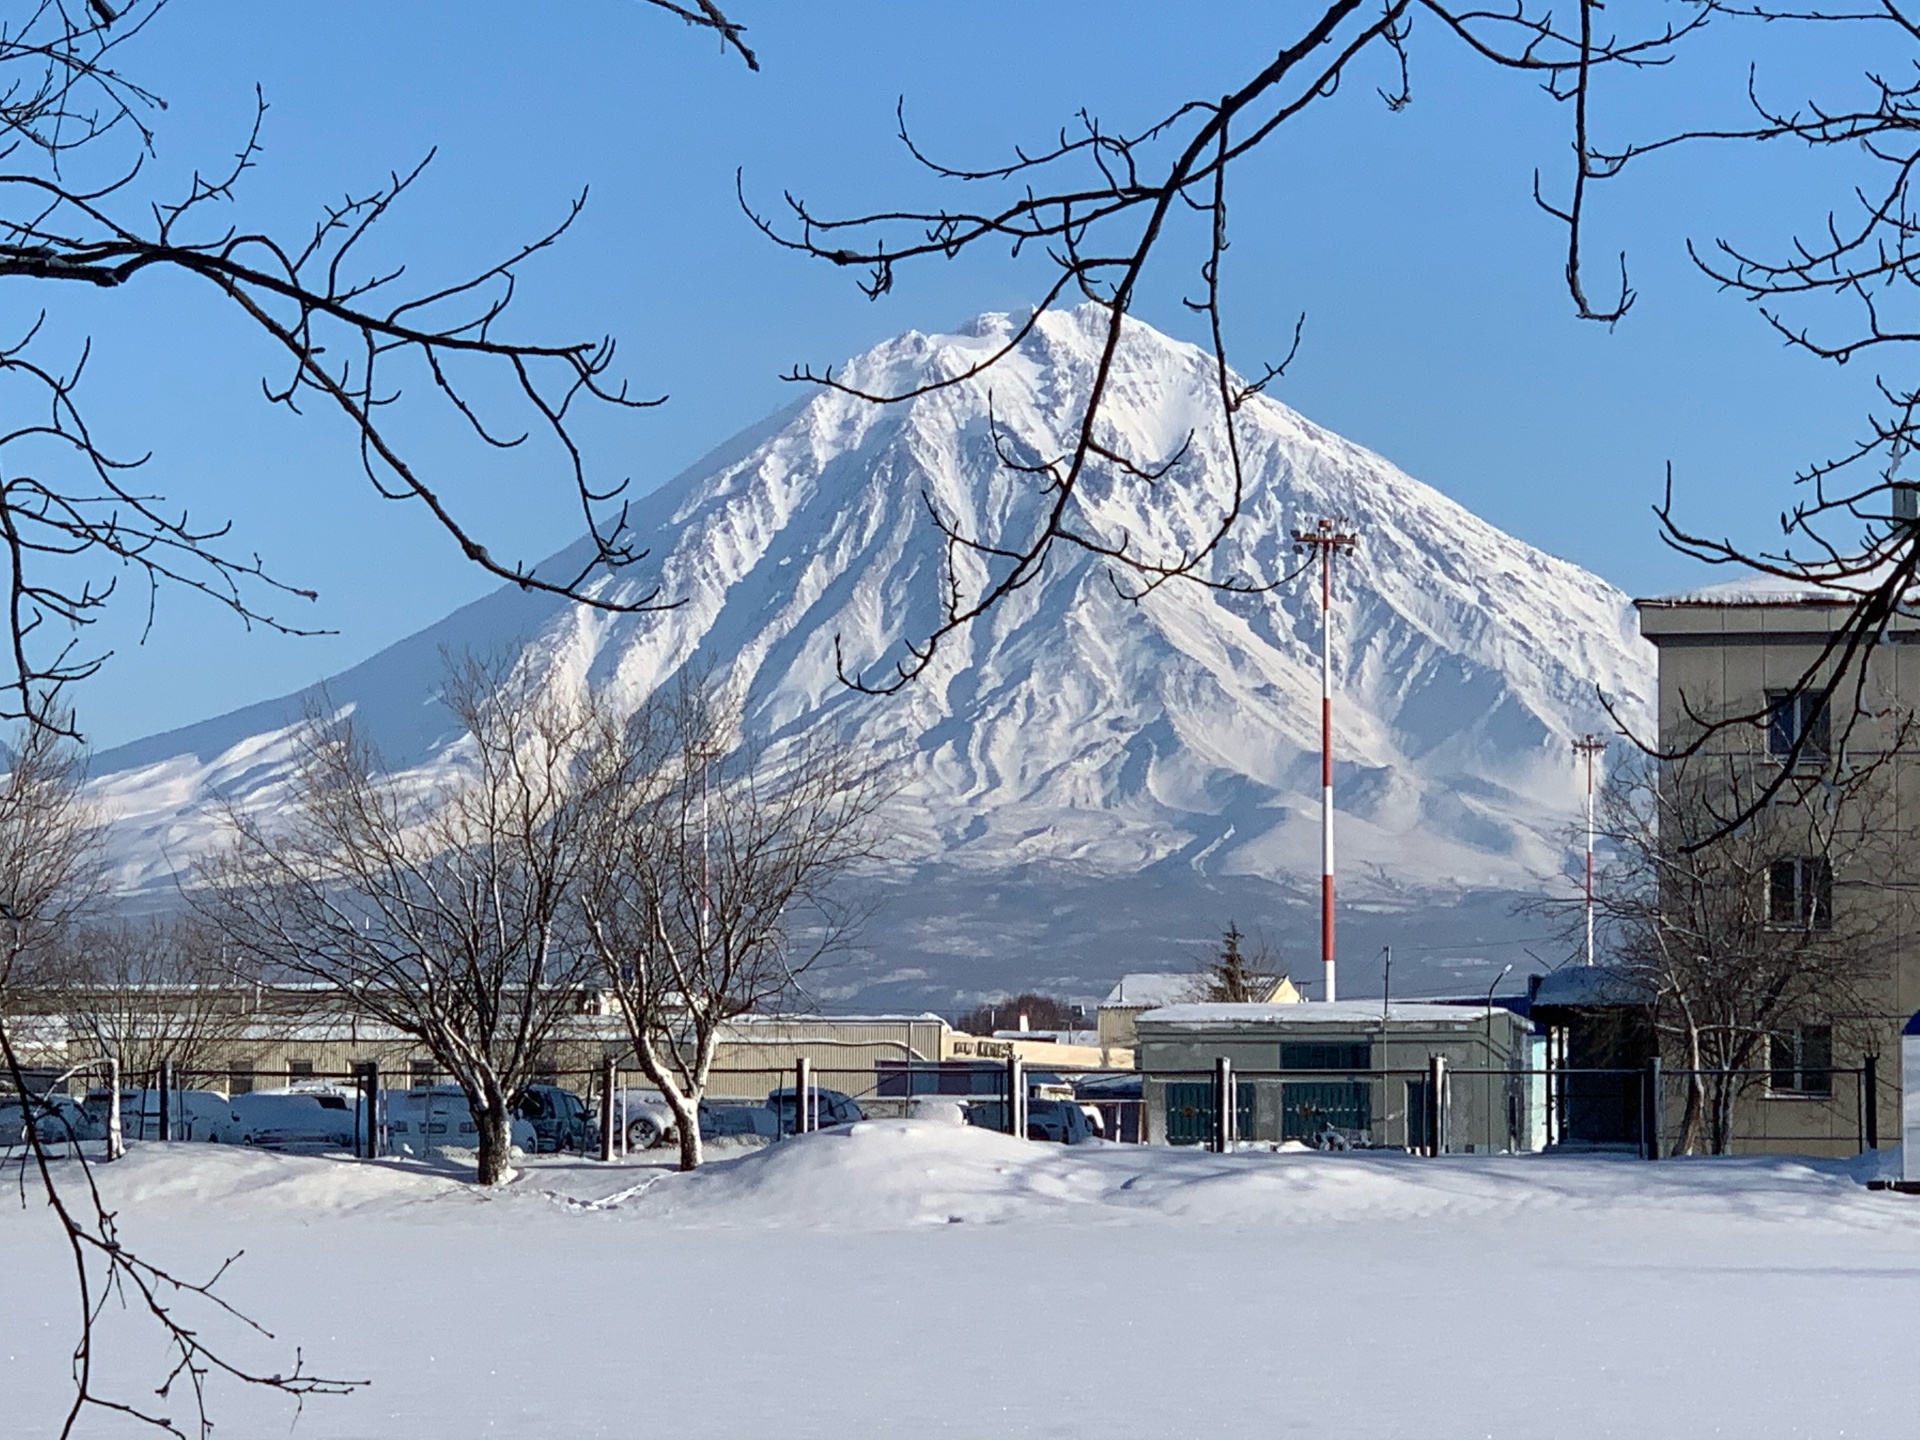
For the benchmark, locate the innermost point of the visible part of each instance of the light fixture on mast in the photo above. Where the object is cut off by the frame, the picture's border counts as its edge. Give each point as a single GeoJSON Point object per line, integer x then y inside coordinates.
{"type": "Point", "coordinates": [1323, 542]}
{"type": "Point", "coordinates": [1590, 747]}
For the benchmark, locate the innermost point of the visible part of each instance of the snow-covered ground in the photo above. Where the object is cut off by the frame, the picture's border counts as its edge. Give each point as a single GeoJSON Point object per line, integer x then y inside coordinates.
{"type": "Point", "coordinates": [910, 1278]}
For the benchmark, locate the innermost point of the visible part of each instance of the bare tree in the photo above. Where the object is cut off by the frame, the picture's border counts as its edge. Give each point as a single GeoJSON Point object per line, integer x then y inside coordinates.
{"type": "Point", "coordinates": [1101, 209]}
{"type": "Point", "coordinates": [349, 331]}
{"type": "Point", "coordinates": [1041, 1012]}
{"type": "Point", "coordinates": [1105, 206]}
{"type": "Point", "coordinates": [716, 885]}
{"type": "Point", "coordinates": [442, 912]}
{"type": "Point", "coordinates": [1763, 948]}
{"type": "Point", "coordinates": [49, 854]}
{"type": "Point", "coordinates": [144, 991]}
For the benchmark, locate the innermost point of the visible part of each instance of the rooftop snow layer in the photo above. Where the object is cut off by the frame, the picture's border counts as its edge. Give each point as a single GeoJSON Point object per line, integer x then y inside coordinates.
{"type": "Point", "coordinates": [1590, 985]}
{"type": "Point", "coordinates": [1154, 988]}
{"type": "Point", "coordinates": [1340, 1012]}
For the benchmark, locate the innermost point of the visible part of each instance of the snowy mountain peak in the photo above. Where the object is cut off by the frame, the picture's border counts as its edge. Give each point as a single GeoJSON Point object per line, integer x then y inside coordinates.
{"type": "Point", "coordinates": [1068, 725]}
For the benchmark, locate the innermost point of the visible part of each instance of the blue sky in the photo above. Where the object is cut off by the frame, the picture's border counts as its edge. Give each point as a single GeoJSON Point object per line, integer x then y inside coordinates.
{"type": "Point", "coordinates": [1437, 330]}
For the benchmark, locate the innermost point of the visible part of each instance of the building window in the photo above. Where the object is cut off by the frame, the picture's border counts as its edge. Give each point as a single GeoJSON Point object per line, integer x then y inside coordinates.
{"type": "Point", "coordinates": [299, 1070]}
{"type": "Point", "coordinates": [1800, 893]}
{"type": "Point", "coordinates": [1792, 714]}
{"type": "Point", "coordinates": [1801, 1061]}
{"type": "Point", "coordinates": [239, 1079]}
{"type": "Point", "coordinates": [1326, 1055]}
{"type": "Point", "coordinates": [421, 1074]}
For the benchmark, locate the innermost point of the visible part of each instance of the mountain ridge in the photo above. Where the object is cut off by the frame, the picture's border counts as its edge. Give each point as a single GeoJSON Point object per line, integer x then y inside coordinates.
{"type": "Point", "coordinates": [1068, 731]}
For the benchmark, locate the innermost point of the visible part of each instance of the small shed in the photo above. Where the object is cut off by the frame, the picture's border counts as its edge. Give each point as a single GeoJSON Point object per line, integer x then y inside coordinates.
{"type": "Point", "coordinates": [1347, 1073]}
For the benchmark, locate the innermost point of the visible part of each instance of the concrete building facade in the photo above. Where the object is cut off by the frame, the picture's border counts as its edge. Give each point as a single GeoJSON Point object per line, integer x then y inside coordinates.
{"type": "Point", "coordinates": [1741, 668]}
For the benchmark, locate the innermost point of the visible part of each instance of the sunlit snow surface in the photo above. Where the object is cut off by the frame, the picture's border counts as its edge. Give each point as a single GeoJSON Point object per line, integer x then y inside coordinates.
{"type": "Point", "coordinates": [910, 1278]}
{"type": "Point", "coordinates": [1070, 734]}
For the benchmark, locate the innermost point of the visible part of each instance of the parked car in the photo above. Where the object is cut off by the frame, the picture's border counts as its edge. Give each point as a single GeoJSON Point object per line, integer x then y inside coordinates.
{"type": "Point", "coordinates": [560, 1119]}
{"type": "Point", "coordinates": [56, 1120]}
{"type": "Point", "coordinates": [307, 1116]}
{"type": "Point", "coordinates": [831, 1108]}
{"type": "Point", "coordinates": [650, 1121]}
{"type": "Point", "coordinates": [434, 1117]}
{"type": "Point", "coordinates": [648, 1118]}
{"type": "Point", "coordinates": [194, 1114]}
{"type": "Point", "coordinates": [720, 1121]}
{"type": "Point", "coordinates": [1061, 1121]}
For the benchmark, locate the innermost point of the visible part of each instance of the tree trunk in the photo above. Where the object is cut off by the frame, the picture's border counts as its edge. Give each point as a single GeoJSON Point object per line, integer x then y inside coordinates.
{"type": "Point", "coordinates": [1690, 1126]}
{"type": "Point", "coordinates": [691, 1151]}
{"type": "Point", "coordinates": [685, 1107]}
{"type": "Point", "coordinates": [1690, 1120]}
{"type": "Point", "coordinates": [496, 1145]}
{"type": "Point", "coordinates": [1722, 1130]}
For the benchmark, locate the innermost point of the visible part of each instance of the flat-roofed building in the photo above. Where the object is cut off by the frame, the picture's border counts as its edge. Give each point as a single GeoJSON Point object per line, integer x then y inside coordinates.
{"type": "Point", "coordinates": [1742, 668]}
{"type": "Point", "coordinates": [1348, 1073]}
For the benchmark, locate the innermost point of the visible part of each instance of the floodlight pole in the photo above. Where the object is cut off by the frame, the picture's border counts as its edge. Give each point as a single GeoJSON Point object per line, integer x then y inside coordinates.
{"type": "Point", "coordinates": [1589, 747]}
{"type": "Point", "coordinates": [1323, 541]}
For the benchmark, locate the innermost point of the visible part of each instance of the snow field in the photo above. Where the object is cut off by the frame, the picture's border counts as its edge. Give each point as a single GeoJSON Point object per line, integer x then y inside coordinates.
{"type": "Point", "coordinates": [912, 1278]}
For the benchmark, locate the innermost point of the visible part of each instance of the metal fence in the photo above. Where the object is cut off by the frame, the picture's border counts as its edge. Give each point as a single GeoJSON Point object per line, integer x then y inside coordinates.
{"type": "Point", "coordinates": [612, 1112]}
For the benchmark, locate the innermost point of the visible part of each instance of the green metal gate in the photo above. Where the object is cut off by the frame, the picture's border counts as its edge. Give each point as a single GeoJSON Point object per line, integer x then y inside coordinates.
{"type": "Point", "coordinates": [1190, 1112]}
{"type": "Point", "coordinates": [1309, 1107]}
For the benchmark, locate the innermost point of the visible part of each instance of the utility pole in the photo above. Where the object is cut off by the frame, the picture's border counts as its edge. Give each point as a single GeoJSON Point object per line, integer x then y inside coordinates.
{"type": "Point", "coordinates": [1590, 747]}
{"type": "Point", "coordinates": [1323, 542]}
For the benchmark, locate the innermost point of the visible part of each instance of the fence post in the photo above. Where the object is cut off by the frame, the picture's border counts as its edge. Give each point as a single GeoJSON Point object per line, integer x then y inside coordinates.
{"type": "Point", "coordinates": [606, 1108]}
{"type": "Point", "coordinates": [166, 1100]}
{"type": "Point", "coordinates": [116, 1140]}
{"type": "Point", "coordinates": [370, 1089]}
{"type": "Point", "coordinates": [1223, 1116]}
{"type": "Point", "coordinates": [1656, 1121]}
{"type": "Point", "coordinates": [1870, 1101]}
{"type": "Point", "coordinates": [802, 1085]}
{"type": "Point", "coordinates": [1436, 1104]}
{"type": "Point", "coordinates": [1016, 1097]}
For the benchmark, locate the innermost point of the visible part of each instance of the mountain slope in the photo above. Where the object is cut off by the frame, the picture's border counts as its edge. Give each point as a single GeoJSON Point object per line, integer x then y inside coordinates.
{"type": "Point", "coordinates": [1069, 730]}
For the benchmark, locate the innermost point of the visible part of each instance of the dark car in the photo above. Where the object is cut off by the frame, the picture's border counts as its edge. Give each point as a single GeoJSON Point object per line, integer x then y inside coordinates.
{"type": "Point", "coordinates": [831, 1108]}
{"type": "Point", "coordinates": [1061, 1121]}
{"type": "Point", "coordinates": [560, 1119]}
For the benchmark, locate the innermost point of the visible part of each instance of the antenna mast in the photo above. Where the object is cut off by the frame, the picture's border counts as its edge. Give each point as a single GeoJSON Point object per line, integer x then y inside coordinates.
{"type": "Point", "coordinates": [1323, 542]}
{"type": "Point", "coordinates": [1590, 748]}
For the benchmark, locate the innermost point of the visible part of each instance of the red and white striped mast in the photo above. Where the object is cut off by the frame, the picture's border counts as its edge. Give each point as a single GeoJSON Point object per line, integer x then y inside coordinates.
{"type": "Point", "coordinates": [1323, 541]}
{"type": "Point", "coordinates": [1590, 747]}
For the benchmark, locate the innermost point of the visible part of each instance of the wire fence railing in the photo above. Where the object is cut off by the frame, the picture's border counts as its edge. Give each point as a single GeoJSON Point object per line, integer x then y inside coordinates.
{"type": "Point", "coordinates": [614, 1112]}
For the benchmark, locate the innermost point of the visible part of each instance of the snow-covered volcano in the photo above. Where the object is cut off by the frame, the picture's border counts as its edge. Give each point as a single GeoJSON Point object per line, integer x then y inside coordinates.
{"type": "Point", "coordinates": [1070, 738]}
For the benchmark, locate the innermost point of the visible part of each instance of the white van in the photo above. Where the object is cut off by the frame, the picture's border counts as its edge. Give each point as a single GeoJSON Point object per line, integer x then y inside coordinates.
{"type": "Point", "coordinates": [195, 1115]}
{"type": "Point", "coordinates": [435, 1117]}
{"type": "Point", "coordinates": [313, 1115]}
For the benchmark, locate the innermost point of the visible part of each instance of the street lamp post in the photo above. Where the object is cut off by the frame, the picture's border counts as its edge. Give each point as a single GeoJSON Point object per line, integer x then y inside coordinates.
{"type": "Point", "coordinates": [1323, 542]}
{"type": "Point", "coordinates": [1590, 748]}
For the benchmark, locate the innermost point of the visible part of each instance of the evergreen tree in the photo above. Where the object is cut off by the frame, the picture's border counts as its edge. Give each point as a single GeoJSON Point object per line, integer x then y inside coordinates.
{"type": "Point", "coordinates": [1230, 977]}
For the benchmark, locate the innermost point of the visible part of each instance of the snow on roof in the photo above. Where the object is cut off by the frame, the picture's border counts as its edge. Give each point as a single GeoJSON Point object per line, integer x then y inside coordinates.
{"type": "Point", "coordinates": [1340, 1012]}
{"type": "Point", "coordinates": [1154, 988]}
{"type": "Point", "coordinates": [1589, 985]}
{"type": "Point", "coordinates": [1758, 589]}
